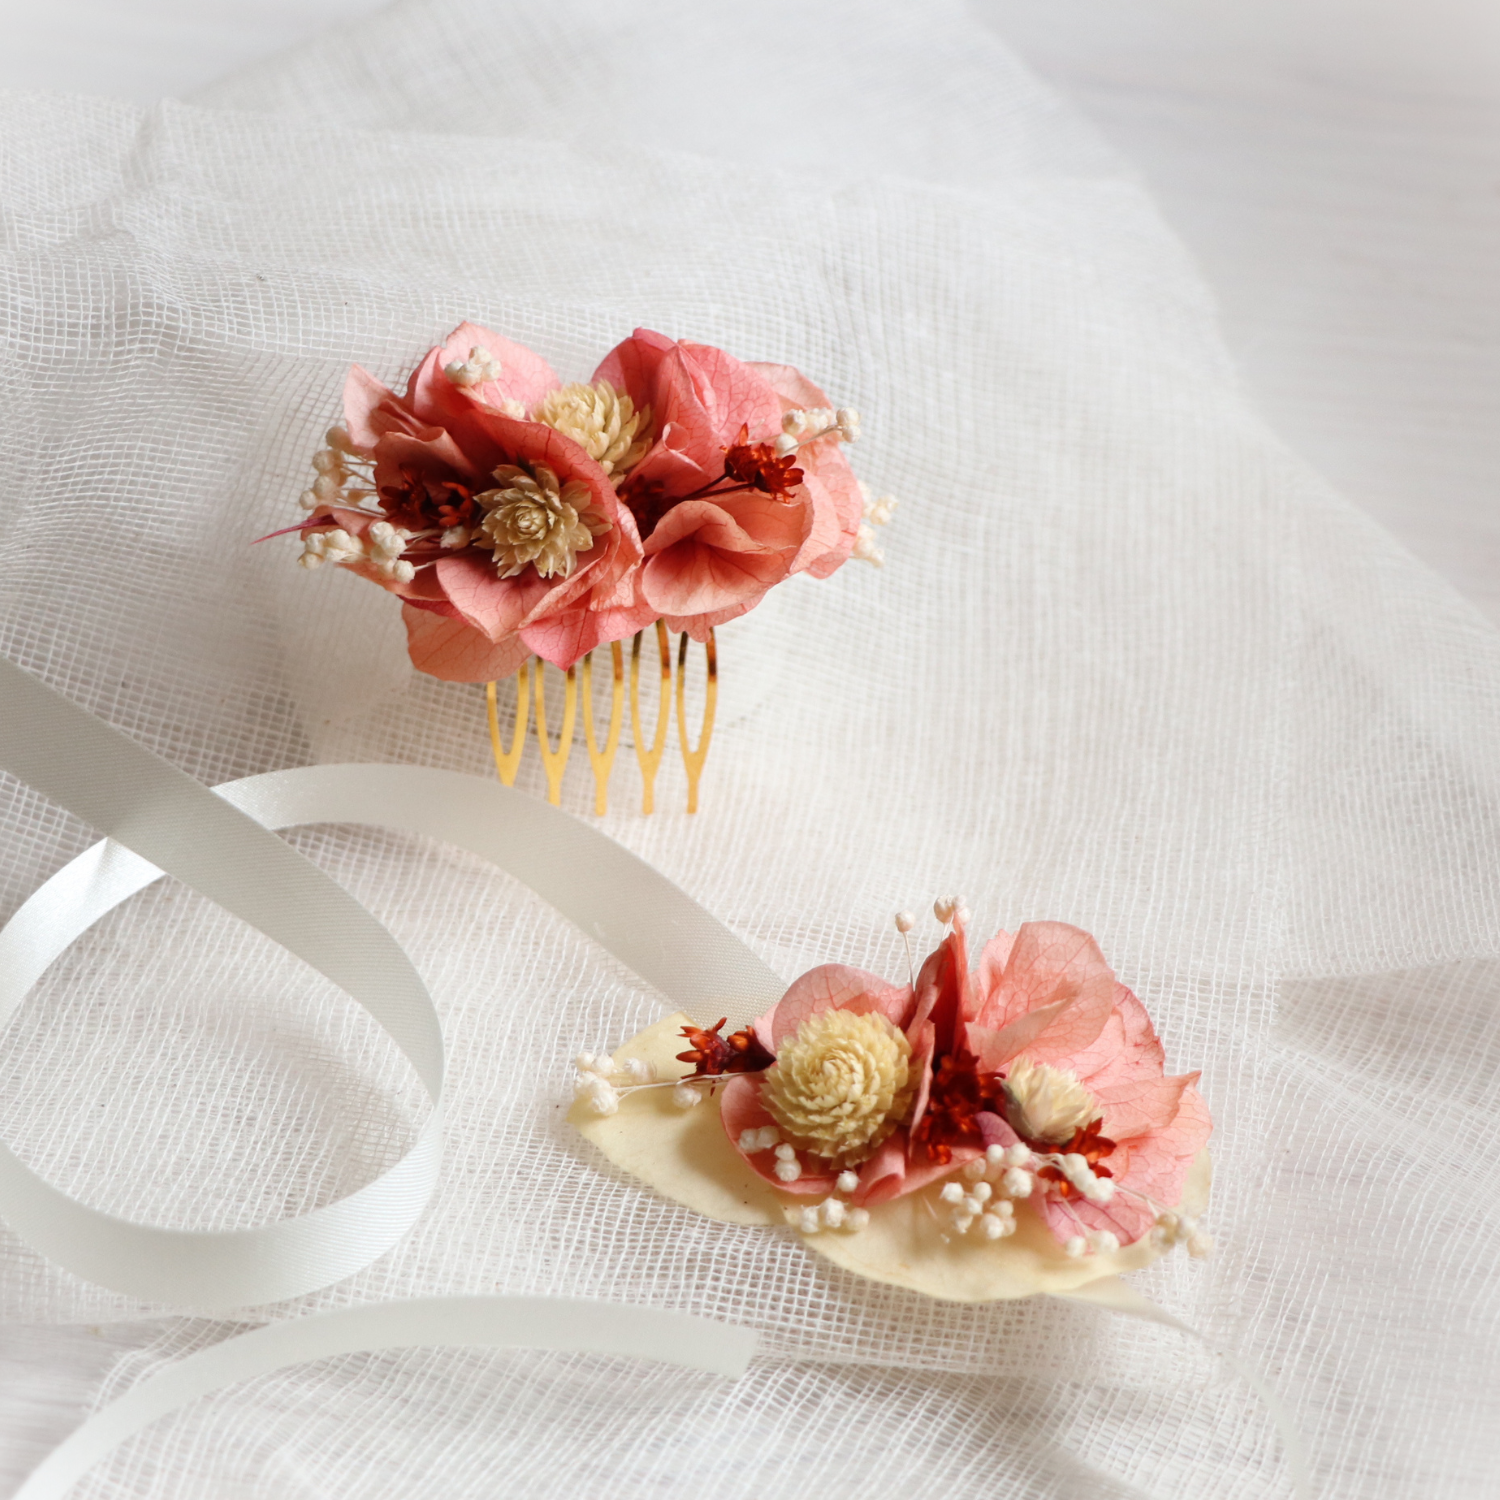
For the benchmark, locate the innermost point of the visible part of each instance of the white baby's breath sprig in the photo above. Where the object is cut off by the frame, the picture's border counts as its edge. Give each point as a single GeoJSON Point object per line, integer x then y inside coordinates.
{"type": "Point", "coordinates": [601, 1081]}
{"type": "Point", "coordinates": [831, 1213]}
{"type": "Point", "coordinates": [479, 367]}
{"type": "Point", "coordinates": [379, 549]}
{"type": "Point", "coordinates": [341, 474]}
{"type": "Point", "coordinates": [877, 512]}
{"type": "Point", "coordinates": [986, 1189]}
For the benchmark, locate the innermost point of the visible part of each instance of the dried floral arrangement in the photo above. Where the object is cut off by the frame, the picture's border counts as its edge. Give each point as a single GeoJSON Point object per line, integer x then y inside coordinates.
{"type": "Point", "coordinates": [523, 521]}
{"type": "Point", "coordinates": [975, 1136]}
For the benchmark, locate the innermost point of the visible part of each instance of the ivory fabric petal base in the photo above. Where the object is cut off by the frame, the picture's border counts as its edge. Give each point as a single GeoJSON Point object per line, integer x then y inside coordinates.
{"type": "Point", "coordinates": [683, 1153]}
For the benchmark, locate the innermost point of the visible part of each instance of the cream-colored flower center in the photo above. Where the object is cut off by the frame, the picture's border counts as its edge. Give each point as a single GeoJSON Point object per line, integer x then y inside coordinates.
{"type": "Point", "coordinates": [1046, 1103]}
{"type": "Point", "coordinates": [841, 1085]}
{"type": "Point", "coordinates": [531, 519]}
{"type": "Point", "coordinates": [602, 421]}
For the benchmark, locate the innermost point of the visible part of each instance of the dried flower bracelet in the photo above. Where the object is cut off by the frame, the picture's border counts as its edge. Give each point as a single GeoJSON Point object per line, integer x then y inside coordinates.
{"type": "Point", "coordinates": [974, 1136]}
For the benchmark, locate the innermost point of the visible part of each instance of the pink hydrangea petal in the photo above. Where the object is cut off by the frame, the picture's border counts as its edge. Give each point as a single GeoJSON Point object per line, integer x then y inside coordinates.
{"type": "Point", "coordinates": [944, 991]}
{"type": "Point", "coordinates": [922, 1038]}
{"type": "Point", "coordinates": [1126, 1048]}
{"type": "Point", "coordinates": [1053, 961]}
{"type": "Point", "coordinates": [698, 626]}
{"type": "Point", "coordinates": [1140, 1106]}
{"type": "Point", "coordinates": [836, 987]}
{"type": "Point", "coordinates": [666, 469]}
{"type": "Point", "coordinates": [427, 450]}
{"type": "Point", "coordinates": [524, 375]}
{"type": "Point", "coordinates": [1155, 1165]}
{"type": "Point", "coordinates": [566, 638]}
{"type": "Point", "coordinates": [992, 960]}
{"type": "Point", "coordinates": [893, 1171]}
{"type": "Point", "coordinates": [838, 507]}
{"type": "Point", "coordinates": [995, 1049]}
{"type": "Point", "coordinates": [995, 1130]}
{"type": "Point", "coordinates": [881, 1177]}
{"type": "Point", "coordinates": [1125, 1217]}
{"type": "Point", "coordinates": [679, 413]}
{"type": "Point", "coordinates": [740, 1109]}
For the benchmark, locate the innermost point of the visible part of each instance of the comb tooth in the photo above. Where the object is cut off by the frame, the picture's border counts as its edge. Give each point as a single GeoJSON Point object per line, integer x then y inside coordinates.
{"type": "Point", "coordinates": [693, 760]}
{"type": "Point", "coordinates": [603, 760]}
{"type": "Point", "coordinates": [555, 762]}
{"type": "Point", "coordinates": [508, 762]}
{"type": "Point", "coordinates": [650, 759]}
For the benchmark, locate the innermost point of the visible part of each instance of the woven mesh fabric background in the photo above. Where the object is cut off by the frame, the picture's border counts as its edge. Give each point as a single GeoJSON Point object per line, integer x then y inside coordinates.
{"type": "Point", "coordinates": [1129, 665]}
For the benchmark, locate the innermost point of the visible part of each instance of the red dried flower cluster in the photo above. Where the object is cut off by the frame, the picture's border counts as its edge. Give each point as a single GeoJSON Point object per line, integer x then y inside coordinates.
{"type": "Point", "coordinates": [713, 1055]}
{"type": "Point", "coordinates": [759, 466]}
{"type": "Point", "coordinates": [959, 1092]}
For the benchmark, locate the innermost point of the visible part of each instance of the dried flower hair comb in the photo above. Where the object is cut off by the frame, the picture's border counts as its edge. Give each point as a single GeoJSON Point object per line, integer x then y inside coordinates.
{"type": "Point", "coordinates": [523, 521]}
{"type": "Point", "coordinates": [972, 1136]}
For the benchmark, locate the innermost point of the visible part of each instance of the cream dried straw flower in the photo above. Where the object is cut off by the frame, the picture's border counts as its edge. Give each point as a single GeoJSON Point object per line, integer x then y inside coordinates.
{"type": "Point", "coordinates": [841, 1085]}
{"type": "Point", "coordinates": [531, 519]}
{"type": "Point", "coordinates": [602, 421]}
{"type": "Point", "coordinates": [1047, 1103]}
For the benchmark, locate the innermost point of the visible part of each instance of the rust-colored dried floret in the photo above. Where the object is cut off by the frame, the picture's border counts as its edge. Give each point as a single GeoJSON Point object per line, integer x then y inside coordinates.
{"type": "Point", "coordinates": [419, 501]}
{"type": "Point", "coordinates": [1088, 1143]}
{"type": "Point", "coordinates": [713, 1055]}
{"type": "Point", "coordinates": [761, 467]}
{"type": "Point", "coordinates": [958, 1093]}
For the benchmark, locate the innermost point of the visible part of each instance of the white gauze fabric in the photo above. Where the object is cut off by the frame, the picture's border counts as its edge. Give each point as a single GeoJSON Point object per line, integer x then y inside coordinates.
{"type": "Point", "coordinates": [1129, 665]}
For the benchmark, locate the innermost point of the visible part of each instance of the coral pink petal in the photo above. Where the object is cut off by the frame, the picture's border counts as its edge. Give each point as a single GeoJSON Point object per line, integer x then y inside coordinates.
{"type": "Point", "coordinates": [454, 651]}
{"type": "Point", "coordinates": [632, 364]}
{"type": "Point", "coordinates": [920, 1172]}
{"type": "Point", "coordinates": [794, 388]}
{"type": "Point", "coordinates": [666, 470]}
{"type": "Point", "coordinates": [705, 522]}
{"type": "Point", "coordinates": [995, 1130]}
{"type": "Point", "coordinates": [691, 579]}
{"type": "Point", "coordinates": [371, 409]}
{"type": "Point", "coordinates": [698, 626]}
{"type": "Point", "coordinates": [880, 1177]}
{"type": "Point", "coordinates": [922, 1037]}
{"type": "Point", "coordinates": [835, 987]}
{"type": "Point", "coordinates": [566, 638]}
{"type": "Point", "coordinates": [837, 506]}
{"type": "Point", "coordinates": [677, 404]}
{"type": "Point", "coordinates": [427, 450]}
{"type": "Point", "coordinates": [740, 1109]}
{"type": "Point", "coordinates": [733, 393]}
{"type": "Point", "coordinates": [493, 605]}
{"type": "Point", "coordinates": [700, 559]}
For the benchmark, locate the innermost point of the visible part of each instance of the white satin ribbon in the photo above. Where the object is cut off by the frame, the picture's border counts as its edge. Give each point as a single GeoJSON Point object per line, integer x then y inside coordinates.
{"type": "Point", "coordinates": [218, 845]}
{"type": "Point", "coordinates": [465, 1322]}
